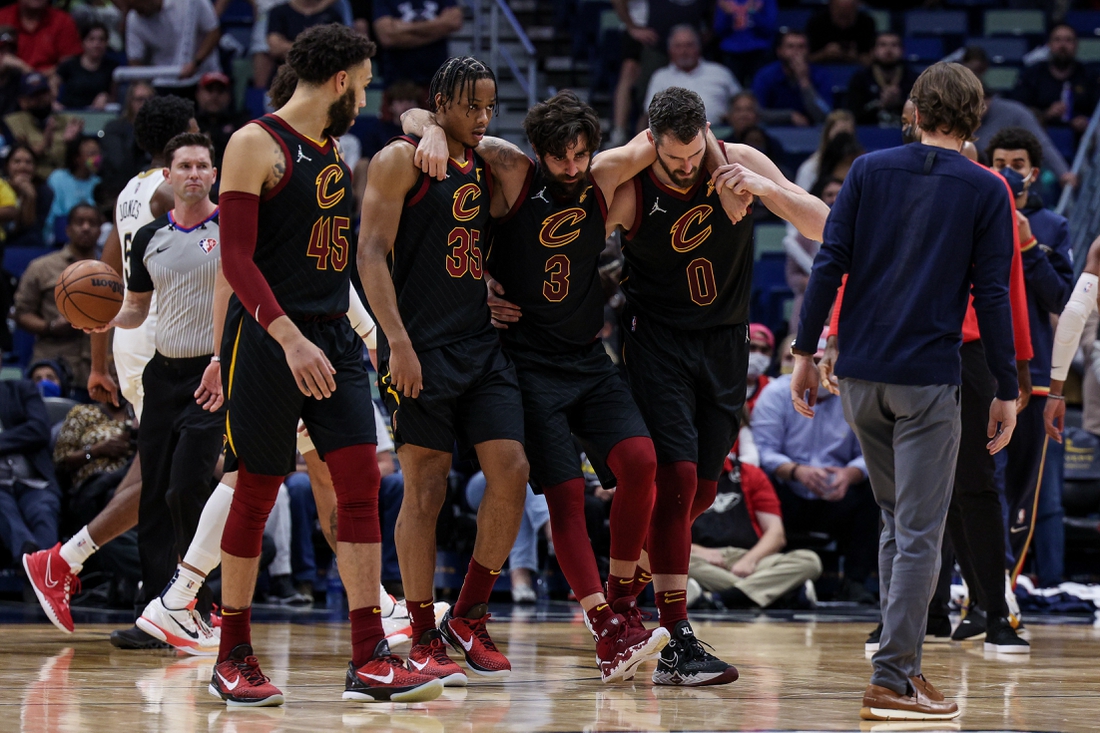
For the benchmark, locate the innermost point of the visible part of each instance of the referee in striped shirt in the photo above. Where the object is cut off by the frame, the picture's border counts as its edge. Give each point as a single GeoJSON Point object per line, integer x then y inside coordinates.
{"type": "Point", "coordinates": [179, 442]}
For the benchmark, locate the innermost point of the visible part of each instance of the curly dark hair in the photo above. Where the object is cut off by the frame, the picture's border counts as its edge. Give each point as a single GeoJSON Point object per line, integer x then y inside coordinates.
{"type": "Point", "coordinates": [554, 125]}
{"type": "Point", "coordinates": [159, 120]}
{"type": "Point", "coordinates": [949, 99]}
{"type": "Point", "coordinates": [678, 112]}
{"type": "Point", "coordinates": [282, 86]}
{"type": "Point", "coordinates": [72, 151]}
{"type": "Point", "coordinates": [457, 74]}
{"type": "Point", "coordinates": [187, 139]}
{"type": "Point", "coordinates": [1016, 138]}
{"type": "Point", "coordinates": [322, 51]}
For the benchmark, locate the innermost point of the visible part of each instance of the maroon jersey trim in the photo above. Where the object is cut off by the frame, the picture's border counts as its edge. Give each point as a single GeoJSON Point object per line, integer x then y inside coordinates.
{"type": "Point", "coordinates": [637, 209]}
{"type": "Point", "coordinates": [267, 196]}
{"type": "Point", "coordinates": [323, 148]}
{"type": "Point", "coordinates": [421, 190]}
{"type": "Point", "coordinates": [683, 196]}
{"type": "Point", "coordinates": [464, 167]}
{"type": "Point", "coordinates": [523, 191]}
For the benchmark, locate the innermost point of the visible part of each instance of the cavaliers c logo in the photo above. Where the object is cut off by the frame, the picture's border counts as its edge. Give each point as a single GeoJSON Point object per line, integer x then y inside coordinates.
{"type": "Point", "coordinates": [550, 236]}
{"type": "Point", "coordinates": [326, 179]}
{"type": "Point", "coordinates": [464, 209]}
{"type": "Point", "coordinates": [683, 238]}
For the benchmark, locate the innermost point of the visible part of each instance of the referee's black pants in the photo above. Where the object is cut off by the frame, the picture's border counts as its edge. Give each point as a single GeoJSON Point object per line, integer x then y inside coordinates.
{"type": "Point", "coordinates": [974, 521]}
{"type": "Point", "coordinates": [179, 444]}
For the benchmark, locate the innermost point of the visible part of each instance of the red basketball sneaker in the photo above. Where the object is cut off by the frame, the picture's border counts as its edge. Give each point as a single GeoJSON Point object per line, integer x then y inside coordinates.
{"type": "Point", "coordinates": [239, 681]}
{"type": "Point", "coordinates": [620, 648]}
{"type": "Point", "coordinates": [385, 679]}
{"type": "Point", "coordinates": [53, 581]}
{"type": "Point", "coordinates": [430, 657]}
{"type": "Point", "coordinates": [469, 637]}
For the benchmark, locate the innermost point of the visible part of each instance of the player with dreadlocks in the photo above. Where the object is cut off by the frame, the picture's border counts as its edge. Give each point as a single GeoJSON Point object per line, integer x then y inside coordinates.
{"type": "Point", "coordinates": [441, 368]}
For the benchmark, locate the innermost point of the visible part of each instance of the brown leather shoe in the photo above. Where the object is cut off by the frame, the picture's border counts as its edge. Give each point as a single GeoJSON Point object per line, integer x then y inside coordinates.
{"type": "Point", "coordinates": [921, 683]}
{"type": "Point", "coordinates": [881, 703]}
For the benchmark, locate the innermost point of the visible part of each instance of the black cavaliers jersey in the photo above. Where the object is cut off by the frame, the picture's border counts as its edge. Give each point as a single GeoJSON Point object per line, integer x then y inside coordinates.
{"type": "Point", "coordinates": [304, 243]}
{"type": "Point", "coordinates": [438, 261]}
{"type": "Point", "coordinates": [686, 264]}
{"type": "Point", "coordinates": [545, 252]}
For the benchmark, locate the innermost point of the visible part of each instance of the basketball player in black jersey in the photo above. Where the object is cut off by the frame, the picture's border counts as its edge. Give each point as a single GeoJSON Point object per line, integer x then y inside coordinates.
{"type": "Point", "coordinates": [286, 204]}
{"type": "Point", "coordinates": [687, 278]}
{"type": "Point", "coordinates": [442, 372]}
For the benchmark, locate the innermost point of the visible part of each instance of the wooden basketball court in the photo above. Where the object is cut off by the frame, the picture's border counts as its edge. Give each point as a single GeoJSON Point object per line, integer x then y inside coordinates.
{"type": "Point", "coordinates": [801, 672]}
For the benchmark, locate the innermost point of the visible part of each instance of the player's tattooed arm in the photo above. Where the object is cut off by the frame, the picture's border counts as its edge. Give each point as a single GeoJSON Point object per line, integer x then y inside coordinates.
{"type": "Point", "coordinates": [612, 168]}
{"type": "Point", "coordinates": [278, 169]}
{"type": "Point", "coordinates": [392, 175]}
{"type": "Point", "coordinates": [750, 171]}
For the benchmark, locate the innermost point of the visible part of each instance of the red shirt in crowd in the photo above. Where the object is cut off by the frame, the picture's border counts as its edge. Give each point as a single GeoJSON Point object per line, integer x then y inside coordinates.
{"type": "Point", "coordinates": [55, 38]}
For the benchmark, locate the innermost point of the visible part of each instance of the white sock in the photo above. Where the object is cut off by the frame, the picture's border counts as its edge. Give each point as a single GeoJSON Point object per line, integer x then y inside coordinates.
{"type": "Point", "coordinates": [78, 549]}
{"type": "Point", "coordinates": [205, 551]}
{"type": "Point", "coordinates": [183, 588]}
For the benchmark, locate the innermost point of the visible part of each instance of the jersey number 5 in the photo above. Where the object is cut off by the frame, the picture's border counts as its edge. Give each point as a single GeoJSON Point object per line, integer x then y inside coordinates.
{"type": "Point", "coordinates": [328, 242]}
{"type": "Point", "coordinates": [465, 255]}
{"type": "Point", "coordinates": [557, 286]}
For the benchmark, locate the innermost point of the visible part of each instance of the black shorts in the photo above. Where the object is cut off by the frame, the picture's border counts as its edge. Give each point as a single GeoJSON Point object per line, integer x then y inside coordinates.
{"type": "Point", "coordinates": [264, 403]}
{"type": "Point", "coordinates": [470, 396]}
{"type": "Point", "coordinates": [579, 393]}
{"type": "Point", "coordinates": [690, 387]}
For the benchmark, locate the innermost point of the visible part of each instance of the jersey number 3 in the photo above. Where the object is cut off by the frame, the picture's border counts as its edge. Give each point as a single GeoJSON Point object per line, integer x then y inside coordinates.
{"type": "Point", "coordinates": [465, 255]}
{"type": "Point", "coordinates": [556, 287]}
{"type": "Point", "coordinates": [328, 242]}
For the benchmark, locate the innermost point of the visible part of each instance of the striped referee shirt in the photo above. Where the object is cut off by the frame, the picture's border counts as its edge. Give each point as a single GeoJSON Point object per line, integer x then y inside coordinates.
{"type": "Point", "coordinates": [181, 265]}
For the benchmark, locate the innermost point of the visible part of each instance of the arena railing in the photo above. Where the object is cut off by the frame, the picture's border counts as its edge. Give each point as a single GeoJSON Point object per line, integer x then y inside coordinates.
{"type": "Point", "coordinates": [1081, 205]}
{"type": "Point", "coordinates": [526, 78]}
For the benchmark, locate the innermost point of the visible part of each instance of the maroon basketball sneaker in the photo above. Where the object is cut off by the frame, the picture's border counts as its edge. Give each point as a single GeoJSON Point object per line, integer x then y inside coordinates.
{"type": "Point", "coordinates": [621, 648]}
{"type": "Point", "coordinates": [385, 679]}
{"type": "Point", "coordinates": [430, 657]}
{"type": "Point", "coordinates": [53, 582]}
{"type": "Point", "coordinates": [239, 681]}
{"type": "Point", "coordinates": [469, 637]}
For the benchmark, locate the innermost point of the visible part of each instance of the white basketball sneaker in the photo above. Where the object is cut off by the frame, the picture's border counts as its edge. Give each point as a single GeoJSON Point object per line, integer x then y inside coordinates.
{"type": "Point", "coordinates": [183, 628]}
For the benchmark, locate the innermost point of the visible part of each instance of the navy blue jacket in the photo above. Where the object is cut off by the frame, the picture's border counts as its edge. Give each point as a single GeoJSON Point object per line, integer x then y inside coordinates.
{"type": "Point", "coordinates": [26, 427]}
{"type": "Point", "coordinates": [917, 229]}
{"type": "Point", "coordinates": [1048, 275]}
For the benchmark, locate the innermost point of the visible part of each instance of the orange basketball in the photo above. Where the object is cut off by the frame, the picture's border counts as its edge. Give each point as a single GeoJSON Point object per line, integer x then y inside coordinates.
{"type": "Point", "coordinates": [89, 293]}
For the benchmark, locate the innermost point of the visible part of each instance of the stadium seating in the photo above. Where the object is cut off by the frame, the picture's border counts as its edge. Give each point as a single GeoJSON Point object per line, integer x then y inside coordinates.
{"type": "Point", "coordinates": [1002, 50]}
{"type": "Point", "coordinates": [1014, 23]}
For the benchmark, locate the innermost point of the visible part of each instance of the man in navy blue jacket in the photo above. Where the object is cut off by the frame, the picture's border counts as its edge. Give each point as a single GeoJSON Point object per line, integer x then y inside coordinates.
{"type": "Point", "coordinates": [30, 498]}
{"type": "Point", "coordinates": [917, 229]}
{"type": "Point", "coordinates": [1048, 271]}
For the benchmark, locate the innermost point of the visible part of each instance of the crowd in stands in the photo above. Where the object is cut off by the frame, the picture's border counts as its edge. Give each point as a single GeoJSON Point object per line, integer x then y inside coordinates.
{"type": "Point", "coordinates": [794, 504]}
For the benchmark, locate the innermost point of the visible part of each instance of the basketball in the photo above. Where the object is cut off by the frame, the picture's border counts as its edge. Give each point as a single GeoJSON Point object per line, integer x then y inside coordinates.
{"type": "Point", "coordinates": [89, 293]}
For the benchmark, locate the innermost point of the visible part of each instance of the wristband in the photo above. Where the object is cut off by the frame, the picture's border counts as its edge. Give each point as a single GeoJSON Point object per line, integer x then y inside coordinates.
{"type": "Point", "coordinates": [1053, 396]}
{"type": "Point", "coordinates": [1029, 244]}
{"type": "Point", "coordinates": [793, 472]}
{"type": "Point", "coordinates": [215, 359]}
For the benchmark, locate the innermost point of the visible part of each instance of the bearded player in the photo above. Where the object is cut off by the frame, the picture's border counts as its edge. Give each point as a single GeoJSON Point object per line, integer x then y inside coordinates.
{"type": "Point", "coordinates": [286, 204]}
{"type": "Point", "coordinates": [687, 278]}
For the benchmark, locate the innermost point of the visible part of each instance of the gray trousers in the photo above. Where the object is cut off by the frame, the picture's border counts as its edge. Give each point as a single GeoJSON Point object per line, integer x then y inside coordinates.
{"type": "Point", "coordinates": [910, 440]}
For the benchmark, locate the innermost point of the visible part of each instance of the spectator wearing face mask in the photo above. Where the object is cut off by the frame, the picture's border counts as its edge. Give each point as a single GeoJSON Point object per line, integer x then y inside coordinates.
{"type": "Point", "coordinates": [761, 351]}
{"type": "Point", "coordinates": [49, 376]}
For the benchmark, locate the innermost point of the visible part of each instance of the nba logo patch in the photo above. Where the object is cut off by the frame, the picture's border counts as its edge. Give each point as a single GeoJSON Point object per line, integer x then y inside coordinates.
{"type": "Point", "coordinates": [208, 244]}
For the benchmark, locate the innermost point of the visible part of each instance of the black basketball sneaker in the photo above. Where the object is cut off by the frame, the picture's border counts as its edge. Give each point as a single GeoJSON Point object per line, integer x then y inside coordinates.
{"type": "Point", "coordinates": [685, 663]}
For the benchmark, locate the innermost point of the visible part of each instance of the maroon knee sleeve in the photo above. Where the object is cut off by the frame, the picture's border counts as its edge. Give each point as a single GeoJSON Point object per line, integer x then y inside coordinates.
{"type": "Point", "coordinates": [670, 528]}
{"type": "Point", "coordinates": [253, 498]}
{"type": "Point", "coordinates": [571, 544]}
{"type": "Point", "coordinates": [635, 465]}
{"type": "Point", "coordinates": [705, 492]}
{"type": "Point", "coordinates": [356, 479]}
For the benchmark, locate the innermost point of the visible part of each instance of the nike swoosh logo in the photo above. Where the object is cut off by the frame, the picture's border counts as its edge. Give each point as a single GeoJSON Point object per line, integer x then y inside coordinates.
{"type": "Point", "coordinates": [429, 604]}
{"type": "Point", "coordinates": [225, 682]}
{"type": "Point", "coordinates": [184, 629]}
{"type": "Point", "coordinates": [1012, 530]}
{"type": "Point", "coordinates": [419, 666]}
{"type": "Point", "coordinates": [467, 644]}
{"type": "Point", "coordinates": [626, 581]}
{"type": "Point", "coordinates": [50, 582]}
{"type": "Point", "coordinates": [384, 680]}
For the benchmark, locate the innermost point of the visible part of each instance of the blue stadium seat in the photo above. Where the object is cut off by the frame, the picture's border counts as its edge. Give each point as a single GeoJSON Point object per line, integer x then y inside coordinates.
{"type": "Point", "coordinates": [239, 12]}
{"type": "Point", "coordinates": [839, 76]}
{"type": "Point", "coordinates": [1063, 139]}
{"type": "Point", "coordinates": [794, 19]}
{"type": "Point", "coordinates": [1014, 23]}
{"type": "Point", "coordinates": [878, 138]}
{"type": "Point", "coordinates": [22, 347]}
{"type": "Point", "coordinates": [1003, 50]}
{"type": "Point", "coordinates": [1085, 22]}
{"type": "Point", "coordinates": [797, 140]}
{"type": "Point", "coordinates": [770, 291]}
{"type": "Point", "coordinates": [927, 49]}
{"type": "Point", "coordinates": [16, 259]}
{"type": "Point", "coordinates": [935, 23]}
